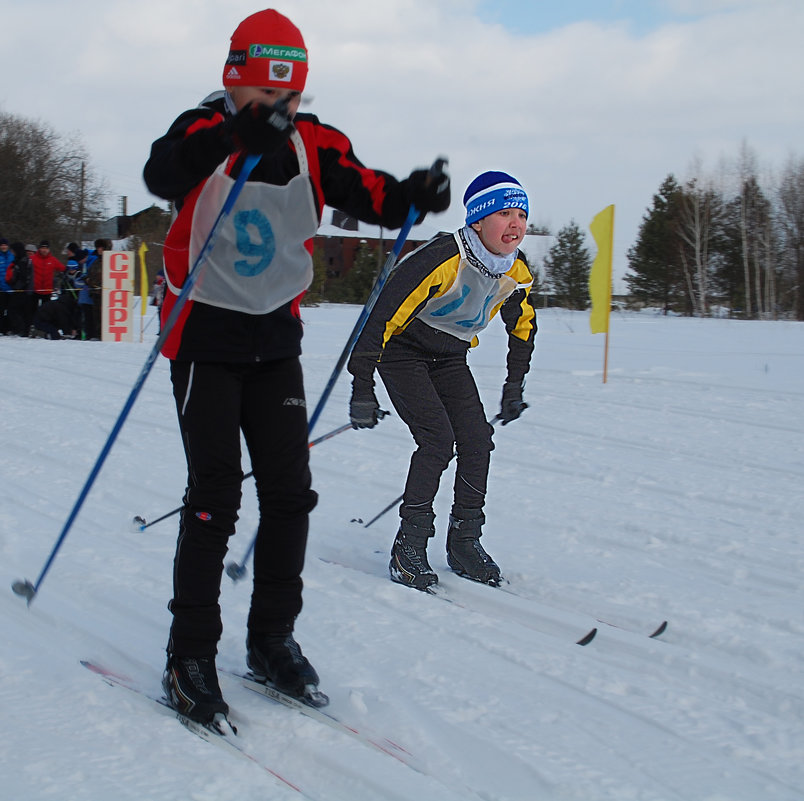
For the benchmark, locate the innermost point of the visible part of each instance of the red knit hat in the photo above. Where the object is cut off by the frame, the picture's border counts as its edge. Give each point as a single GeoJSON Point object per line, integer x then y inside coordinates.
{"type": "Point", "coordinates": [267, 50]}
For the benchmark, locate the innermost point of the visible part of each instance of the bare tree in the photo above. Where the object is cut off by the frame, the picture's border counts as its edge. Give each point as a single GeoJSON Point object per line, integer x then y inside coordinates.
{"type": "Point", "coordinates": [757, 239]}
{"type": "Point", "coordinates": [48, 188]}
{"type": "Point", "coordinates": [747, 168]}
{"type": "Point", "coordinates": [791, 223]}
{"type": "Point", "coordinates": [699, 211]}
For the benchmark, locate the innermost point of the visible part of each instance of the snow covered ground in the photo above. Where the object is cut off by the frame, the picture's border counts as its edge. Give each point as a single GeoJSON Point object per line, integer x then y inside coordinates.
{"type": "Point", "coordinates": [674, 491]}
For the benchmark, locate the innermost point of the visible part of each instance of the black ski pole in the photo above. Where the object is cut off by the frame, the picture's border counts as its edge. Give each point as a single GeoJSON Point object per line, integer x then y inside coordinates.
{"type": "Point", "coordinates": [141, 523]}
{"type": "Point", "coordinates": [399, 499]}
{"type": "Point", "coordinates": [237, 570]}
{"type": "Point", "coordinates": [387, 509]}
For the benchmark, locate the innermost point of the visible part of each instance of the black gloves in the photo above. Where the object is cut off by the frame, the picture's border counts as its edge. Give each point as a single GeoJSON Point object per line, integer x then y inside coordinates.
{"type": "Point", "coordinates": [364, 411]}
{"type": "Point", "coordinates": [512, 404]}
{"type": "Point", "coordinates": [429, 189]}
{"type": "Point", "coordinates": [260, 129]}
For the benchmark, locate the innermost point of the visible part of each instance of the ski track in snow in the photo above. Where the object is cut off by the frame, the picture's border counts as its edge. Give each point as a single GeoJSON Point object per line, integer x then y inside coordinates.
{"type": "Point", "coordinates": [672, 492]}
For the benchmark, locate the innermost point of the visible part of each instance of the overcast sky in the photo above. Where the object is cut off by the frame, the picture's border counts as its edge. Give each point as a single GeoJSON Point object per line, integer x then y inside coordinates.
{"type": "Point", "coordinates": [586, 102]}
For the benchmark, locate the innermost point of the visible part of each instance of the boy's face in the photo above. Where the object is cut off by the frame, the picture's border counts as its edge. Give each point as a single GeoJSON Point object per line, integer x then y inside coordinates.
{"type": "Point", "coordinates": [502, 231]}
{"type": "Point", "coordinates": [267, 95]}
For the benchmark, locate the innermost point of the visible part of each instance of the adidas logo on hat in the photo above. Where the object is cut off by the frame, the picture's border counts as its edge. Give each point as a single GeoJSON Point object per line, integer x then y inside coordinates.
{"type": "Point", "coordinates": [232, 75]}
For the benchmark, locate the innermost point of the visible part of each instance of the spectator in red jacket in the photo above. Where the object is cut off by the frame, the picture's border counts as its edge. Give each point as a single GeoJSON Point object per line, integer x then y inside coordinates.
{"type": "Point", "coordinates": [45, 266]}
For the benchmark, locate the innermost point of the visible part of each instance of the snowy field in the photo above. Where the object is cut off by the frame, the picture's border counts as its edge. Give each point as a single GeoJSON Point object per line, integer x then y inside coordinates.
{"type": "Point", "coordinates": [672, 492]}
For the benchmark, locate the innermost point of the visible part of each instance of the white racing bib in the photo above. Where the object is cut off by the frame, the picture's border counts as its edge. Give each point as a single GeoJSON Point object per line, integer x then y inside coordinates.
{"type": "Point", "coordinates": [259, 261]}
{"type": "Point", "coordinates": [469, 304]}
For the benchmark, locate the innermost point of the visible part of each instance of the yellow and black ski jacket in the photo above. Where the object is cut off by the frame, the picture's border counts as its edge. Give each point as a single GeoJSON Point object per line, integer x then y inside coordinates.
{"type": "Point", "coordinates": [396, 330]}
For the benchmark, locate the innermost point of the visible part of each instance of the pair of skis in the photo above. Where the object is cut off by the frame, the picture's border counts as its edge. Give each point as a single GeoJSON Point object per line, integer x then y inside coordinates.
{"type": "Point", "coordinates": [536, 615]}
{"type": "Point", "coordinates": [223, 734]}
{"type": "Point", "coordinates": [440, 592]}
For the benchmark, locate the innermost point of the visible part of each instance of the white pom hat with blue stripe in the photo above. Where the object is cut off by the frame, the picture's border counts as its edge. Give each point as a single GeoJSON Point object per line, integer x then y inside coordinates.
{"type": "Point", "coordinates": [493, 191]}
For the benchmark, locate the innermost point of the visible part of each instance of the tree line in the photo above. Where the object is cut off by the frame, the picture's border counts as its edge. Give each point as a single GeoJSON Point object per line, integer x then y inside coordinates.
{"type": "Point", "coordinates": [731, 239]}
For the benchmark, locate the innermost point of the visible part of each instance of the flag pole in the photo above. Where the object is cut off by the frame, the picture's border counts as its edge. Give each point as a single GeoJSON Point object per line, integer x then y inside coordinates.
{"type": "Point", "coordinates": [600, 277]}
{"type": "Point", "coordinates": [143, 289]}
{"type": "Point", "coordinates": [608, 305]}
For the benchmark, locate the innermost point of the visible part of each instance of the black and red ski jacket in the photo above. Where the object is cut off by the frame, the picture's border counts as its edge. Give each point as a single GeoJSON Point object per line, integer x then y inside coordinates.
{"type": "Point", "coordinates": [180, 163]}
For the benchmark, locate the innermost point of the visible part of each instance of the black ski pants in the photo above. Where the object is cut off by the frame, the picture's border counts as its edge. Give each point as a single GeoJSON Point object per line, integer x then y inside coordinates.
{"type": "Point", "coordinates": [215, 403]}
{"type": "Point", "coordinates": [437, 398]}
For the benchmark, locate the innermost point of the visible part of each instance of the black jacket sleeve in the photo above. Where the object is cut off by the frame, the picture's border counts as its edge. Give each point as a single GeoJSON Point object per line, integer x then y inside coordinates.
{"type": "Point", "coordinates": [519, 316]}
{"type": "Point", "coordinates": [413, 282]}
{"type": "Point", "coordinates": [373, 196]}
{"type": "Point", "coordinates": [195, 144]}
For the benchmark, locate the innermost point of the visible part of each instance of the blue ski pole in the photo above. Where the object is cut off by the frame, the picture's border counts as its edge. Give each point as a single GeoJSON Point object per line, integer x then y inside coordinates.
{"type": "Point", "coordinates": [25, 588]}
{"type": "Point", "coordinates": [413, 214]}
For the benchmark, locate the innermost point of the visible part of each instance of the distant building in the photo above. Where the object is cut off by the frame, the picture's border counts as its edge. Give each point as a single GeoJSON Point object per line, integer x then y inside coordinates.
{"type": "Point", "coordinates": [339, 236]}
{"type": "Point", "coordinates": [124, 225]}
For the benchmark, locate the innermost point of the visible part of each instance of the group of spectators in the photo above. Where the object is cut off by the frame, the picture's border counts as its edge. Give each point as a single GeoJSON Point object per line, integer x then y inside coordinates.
{"type": "Point", "coordinates": [45, 297]}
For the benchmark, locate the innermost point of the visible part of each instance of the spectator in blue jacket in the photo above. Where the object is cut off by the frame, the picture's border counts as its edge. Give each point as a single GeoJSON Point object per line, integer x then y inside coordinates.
{"type": "Point", "coordinates": [79, 261]}
{"type": "Point", "coordinates": [6, 259]}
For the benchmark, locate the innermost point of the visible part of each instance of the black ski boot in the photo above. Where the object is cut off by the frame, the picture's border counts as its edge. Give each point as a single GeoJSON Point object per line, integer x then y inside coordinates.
{"type": "Point", "coordinates": [409, 563]}
{"type": "Point", "coordinates": [191, 687]}
{"type": "Point", "coordinates": [278, 659]}
{"type": "Point", "coordinates": [465, 554]}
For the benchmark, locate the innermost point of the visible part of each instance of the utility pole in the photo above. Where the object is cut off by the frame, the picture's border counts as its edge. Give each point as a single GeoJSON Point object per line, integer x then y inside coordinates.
{"type": "Point", "coordinates": [81, 197]}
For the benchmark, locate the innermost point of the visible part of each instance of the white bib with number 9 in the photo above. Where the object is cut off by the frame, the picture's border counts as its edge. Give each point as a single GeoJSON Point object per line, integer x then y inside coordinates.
{"type": "Point", "coordinates": [259, 261]}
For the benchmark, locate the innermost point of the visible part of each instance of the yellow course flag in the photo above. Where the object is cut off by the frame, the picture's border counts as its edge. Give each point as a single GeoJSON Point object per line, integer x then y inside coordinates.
{"type": "Point", "coordinates": [602, 228]}
{"type": "Point", "coordinates": [143, 280]}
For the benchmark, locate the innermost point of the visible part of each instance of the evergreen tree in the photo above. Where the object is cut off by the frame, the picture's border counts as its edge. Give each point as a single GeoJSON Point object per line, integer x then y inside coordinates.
{"type": "Point", "coordinates": [655, 259]}
{"type": "Point", "coordinates": [791, 222]}
{"type": "Point", "coordinates": [567, 267]}
{"type": "Point", "coordinates": [757, 247]}
{"type": "Point", "coordinates": [729, 275]}
{"type": "Point", "coordinates": [363, 274]}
